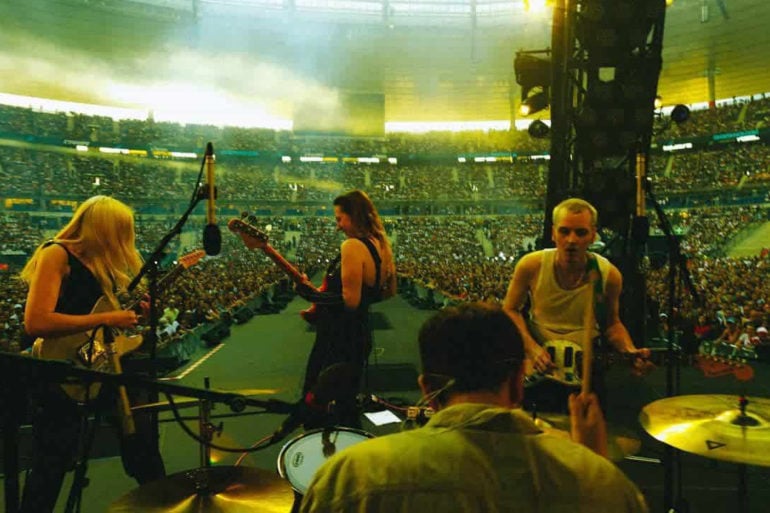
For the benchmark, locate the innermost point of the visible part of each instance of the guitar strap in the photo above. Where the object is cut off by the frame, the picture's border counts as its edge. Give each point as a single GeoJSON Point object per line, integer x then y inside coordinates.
{"type": "Point", "coordinates": [600, 307]}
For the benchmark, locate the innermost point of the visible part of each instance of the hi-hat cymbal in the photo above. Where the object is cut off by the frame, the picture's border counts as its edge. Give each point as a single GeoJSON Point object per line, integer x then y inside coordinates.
{"type": "Point", "coordinates": [185, 402]}
{"type": "Point", "coordinates": [620, 442]}
{"type": "Point", "coordinates": [210, 489]}
{"type": "Point", "coordinates": [712, 426]}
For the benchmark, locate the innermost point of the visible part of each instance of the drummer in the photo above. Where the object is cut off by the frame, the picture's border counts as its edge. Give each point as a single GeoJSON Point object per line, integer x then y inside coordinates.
{"type": "Point", "coordinates": [479, 448]}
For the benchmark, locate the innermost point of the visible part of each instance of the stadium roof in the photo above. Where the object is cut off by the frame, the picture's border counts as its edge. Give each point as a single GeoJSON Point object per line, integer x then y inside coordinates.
{"type": "Point", "coordinates": [433, 60]}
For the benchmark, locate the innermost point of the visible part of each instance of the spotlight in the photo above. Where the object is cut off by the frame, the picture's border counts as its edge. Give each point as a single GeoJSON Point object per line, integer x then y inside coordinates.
{"type": "Point", "coordinates": [531, 71]}
{"type": "Point", "coordinates": [538, 130]}
{"type": "Point", "coordinates": [533, 74]}
{"type": "Point", "coordinates": [534, 103]}
{"type": "Point", "coordinates": [680, 114]}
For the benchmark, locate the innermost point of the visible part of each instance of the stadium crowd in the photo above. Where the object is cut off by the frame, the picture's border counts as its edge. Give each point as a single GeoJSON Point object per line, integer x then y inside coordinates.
{"type": "Point", "coordinates": [449, 245]}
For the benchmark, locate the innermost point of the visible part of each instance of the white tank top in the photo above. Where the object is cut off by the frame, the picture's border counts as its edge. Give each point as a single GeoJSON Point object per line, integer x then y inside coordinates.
{"type": "Point", "coordinates": [556, 313]}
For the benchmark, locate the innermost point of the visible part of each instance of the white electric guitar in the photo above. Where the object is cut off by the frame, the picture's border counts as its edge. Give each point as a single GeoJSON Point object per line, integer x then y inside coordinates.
{"type": "Point", "coordinates": [101, 356]}
{"type": "Point", "coordinates": [567, 358]}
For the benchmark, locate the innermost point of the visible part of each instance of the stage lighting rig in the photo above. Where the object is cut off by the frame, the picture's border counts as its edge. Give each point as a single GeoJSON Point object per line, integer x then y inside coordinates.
{"type": "Point", "coordinates": [533, 74]}
{"type": "Point", "coordinates": [534, 103]}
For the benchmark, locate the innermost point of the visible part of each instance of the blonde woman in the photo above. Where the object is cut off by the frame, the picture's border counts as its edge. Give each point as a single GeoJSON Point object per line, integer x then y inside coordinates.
{"type": "Point", "coordinates": [94, 255]}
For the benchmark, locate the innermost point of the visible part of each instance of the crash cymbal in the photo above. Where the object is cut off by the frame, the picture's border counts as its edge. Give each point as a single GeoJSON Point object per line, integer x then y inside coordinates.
{"type": "Point", "coordinates": [210, 490]}
{"type": "Point", "coordinates": [186, 402]}
{"type": "Point", "coordinates": [712, 426]}
{"type": "Point", "coordinates": [620, 442]}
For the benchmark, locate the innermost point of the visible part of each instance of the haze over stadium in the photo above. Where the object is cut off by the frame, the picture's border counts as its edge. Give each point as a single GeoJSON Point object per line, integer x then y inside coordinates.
{"type": "Point", "coordinates": [257, 63]}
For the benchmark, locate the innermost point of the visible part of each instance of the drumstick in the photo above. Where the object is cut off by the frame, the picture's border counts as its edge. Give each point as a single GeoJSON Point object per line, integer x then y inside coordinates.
{"type": "Point", "coordinates": [588, 346]}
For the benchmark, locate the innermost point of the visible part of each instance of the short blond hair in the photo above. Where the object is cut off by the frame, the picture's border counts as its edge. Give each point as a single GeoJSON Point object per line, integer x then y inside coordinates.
{"type": "Point", "coordinates": [575, 206]}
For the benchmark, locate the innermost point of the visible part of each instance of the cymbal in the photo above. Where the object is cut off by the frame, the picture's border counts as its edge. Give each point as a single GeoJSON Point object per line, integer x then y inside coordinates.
{"type": "Point", "coordinates": [712, 426]}
{"type": "Point", "coordinates": [185, 402]}
{"type": "Point", "coordinates": [620, 442]}
{"type": "Point", "coordinates": [211, 489]}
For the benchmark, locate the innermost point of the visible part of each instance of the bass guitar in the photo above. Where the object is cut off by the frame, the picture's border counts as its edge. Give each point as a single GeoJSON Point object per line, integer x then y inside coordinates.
{"type": "Point", "coordinates": [101, 349]}
{"type": "Point", "coordinates": [255, 238]}
{"type": "Point", "coordinates": [567, 358]}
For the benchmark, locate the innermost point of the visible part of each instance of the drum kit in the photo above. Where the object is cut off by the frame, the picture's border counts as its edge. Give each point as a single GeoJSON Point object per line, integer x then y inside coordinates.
{"type": "Point", "coordinates": [722, 427]}
{"type": "Point", "coordinates": [236, 489]}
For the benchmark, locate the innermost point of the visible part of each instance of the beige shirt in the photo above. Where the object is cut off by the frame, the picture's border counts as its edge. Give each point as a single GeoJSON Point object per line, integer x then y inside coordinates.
{"type": "Point", "coordinates": [471, 458]}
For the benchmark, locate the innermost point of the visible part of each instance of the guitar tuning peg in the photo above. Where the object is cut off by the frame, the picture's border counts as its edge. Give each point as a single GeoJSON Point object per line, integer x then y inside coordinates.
{"type": "Point", "coordinates": [244, 214]}
{"type": "Point", "coordinates": [252, 219]}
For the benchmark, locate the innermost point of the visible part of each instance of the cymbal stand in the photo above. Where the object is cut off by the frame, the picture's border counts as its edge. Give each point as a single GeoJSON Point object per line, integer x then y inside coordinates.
{"type": "Point", "coordinates": [744, 421]}
{"type": "Point", "coordinates": [207, 430]}
{"type": "Point", "coordinates": [672, 463]}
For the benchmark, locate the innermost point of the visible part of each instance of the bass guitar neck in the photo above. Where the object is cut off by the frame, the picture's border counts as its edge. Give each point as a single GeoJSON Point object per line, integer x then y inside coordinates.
{"type": "Point", "coordinates": [284, 264]}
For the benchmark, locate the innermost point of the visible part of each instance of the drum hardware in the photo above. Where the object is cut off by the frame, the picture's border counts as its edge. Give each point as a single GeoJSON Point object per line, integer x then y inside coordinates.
{"type": "Point", "coordinates": [185, 402]}
{"type": "Point", "coordinates": [721, 427]}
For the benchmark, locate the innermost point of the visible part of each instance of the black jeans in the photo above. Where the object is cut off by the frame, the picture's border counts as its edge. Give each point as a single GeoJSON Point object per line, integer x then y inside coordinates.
{"type": "Point", "coordinates": [57, 431]}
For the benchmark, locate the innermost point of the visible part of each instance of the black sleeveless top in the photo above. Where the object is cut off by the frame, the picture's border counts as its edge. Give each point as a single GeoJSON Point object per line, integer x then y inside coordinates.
{"type": "Point", "coordinates": [79, 291]}
{"type": "Point", "coordinates": [369, 295]}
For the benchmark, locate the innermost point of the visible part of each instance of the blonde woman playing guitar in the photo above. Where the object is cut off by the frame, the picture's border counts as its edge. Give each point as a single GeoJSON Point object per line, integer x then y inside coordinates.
{"type": "Point", "coordinates": [559, 282]}
{"type": "Point", "coordinates": [94, 255]}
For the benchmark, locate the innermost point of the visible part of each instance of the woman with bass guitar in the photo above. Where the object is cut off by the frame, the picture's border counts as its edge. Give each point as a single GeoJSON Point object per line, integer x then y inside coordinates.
{"type": "Point", "coordinates": [361, 274]}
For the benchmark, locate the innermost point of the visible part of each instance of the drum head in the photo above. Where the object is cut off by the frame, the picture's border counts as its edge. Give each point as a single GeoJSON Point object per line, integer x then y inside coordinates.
{"type": "Point", "coordinates": [302, 456]}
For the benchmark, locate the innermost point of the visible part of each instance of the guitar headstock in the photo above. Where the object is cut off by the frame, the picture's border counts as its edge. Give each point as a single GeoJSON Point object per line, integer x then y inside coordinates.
{"type": "Point", "coordinates": [252, 236]}
{"type": "Point", "coordinates": [715, 367]}
{"type": "Point", "coordinates": [190, 259]}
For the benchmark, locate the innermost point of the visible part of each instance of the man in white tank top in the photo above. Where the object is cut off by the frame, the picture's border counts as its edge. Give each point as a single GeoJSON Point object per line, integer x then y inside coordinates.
{"type": "Point", "coordinates": [559, 281]}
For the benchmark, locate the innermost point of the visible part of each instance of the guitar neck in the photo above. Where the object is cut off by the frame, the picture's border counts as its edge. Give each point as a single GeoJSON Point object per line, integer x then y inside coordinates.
{"type": "Point", "coordinates": [162, 285]}
{"type": "Point", "coordinates": [284, 264]}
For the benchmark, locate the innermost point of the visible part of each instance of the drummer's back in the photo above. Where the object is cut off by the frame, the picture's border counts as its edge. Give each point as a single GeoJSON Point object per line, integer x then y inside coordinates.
{"type": "Point", "coordinates": [472, 458]}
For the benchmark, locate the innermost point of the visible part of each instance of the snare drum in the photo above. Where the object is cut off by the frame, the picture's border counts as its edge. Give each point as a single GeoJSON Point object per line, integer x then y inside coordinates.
{"type": "Point", "coordinates": [302, 456]}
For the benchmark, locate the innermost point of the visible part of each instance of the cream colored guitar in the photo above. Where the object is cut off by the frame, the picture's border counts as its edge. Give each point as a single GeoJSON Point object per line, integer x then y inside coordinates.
{"type": "Point", "coordinates": [101, 355]}
{"type": "Point", "coordinates": [567, 358]}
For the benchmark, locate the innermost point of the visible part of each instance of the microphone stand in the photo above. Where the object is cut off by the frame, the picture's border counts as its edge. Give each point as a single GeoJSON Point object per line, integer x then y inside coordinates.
{"type": "Point", "coordinates": [672, 485]}
{"type": "Point", "coordinates": [150, 268]}
{"type": "Point", "coordinates": [32, 371]}
{"type": "Point", "coordinates": [19, 373]}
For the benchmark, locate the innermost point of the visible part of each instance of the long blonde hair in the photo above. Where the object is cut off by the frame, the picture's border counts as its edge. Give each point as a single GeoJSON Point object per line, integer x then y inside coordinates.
{"type": "Point", "coordinates": [101, 233]}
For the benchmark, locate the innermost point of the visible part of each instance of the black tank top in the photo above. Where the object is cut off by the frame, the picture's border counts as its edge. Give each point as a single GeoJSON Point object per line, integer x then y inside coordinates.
{"type": "Point", "coordinates": [369, 294]}
{"type": "Point", "coordinates": [80, 290]}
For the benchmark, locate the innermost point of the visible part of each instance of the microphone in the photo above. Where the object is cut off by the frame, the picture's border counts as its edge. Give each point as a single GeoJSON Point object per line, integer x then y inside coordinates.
{"type": "Point", "coordinates": [335, 382]}
{"type": "Point", "coordinates": [212, 237]}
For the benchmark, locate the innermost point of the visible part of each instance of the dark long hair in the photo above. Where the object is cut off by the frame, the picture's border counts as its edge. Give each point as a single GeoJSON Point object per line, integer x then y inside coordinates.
{"type": "Point", "coordinates": [363, 214]}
